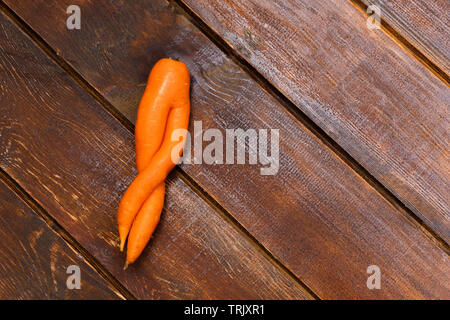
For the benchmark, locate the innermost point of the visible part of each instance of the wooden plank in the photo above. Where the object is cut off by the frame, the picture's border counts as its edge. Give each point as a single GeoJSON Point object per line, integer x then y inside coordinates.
{"type": "Point", "coordinates": [316, 215]}
{"type": "Point", "coordinates": [76, 160]}
{"type": "Point", "coordinates": [379, 103]}
{"type": "Point", "coordinates": [34, 259]}
{"type": "Point", "coordinates": [424, 24]}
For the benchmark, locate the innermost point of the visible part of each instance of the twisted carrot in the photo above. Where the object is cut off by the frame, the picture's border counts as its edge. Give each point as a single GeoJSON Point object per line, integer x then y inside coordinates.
{"type": "Point", "coordinates": [163, 109]}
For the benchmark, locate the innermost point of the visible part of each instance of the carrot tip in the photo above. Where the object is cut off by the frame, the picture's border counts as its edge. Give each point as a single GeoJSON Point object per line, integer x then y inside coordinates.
{"type": "Point", "coordinates": [122, 245]}
{"type": "Point", "coordinates": [125, 266]}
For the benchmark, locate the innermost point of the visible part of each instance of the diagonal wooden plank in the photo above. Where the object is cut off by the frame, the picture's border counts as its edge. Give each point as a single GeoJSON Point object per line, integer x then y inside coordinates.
{"type": "Point", "coordinates": [316, 215]}
{"type": "Point", "coordinates": [385, 108]}
{"type": "Point", "coordinates": [34, 259]}
{"type": "Point", "coordinates": [424, 24]}
{"type": "Point", "coordinates": [76, 160]}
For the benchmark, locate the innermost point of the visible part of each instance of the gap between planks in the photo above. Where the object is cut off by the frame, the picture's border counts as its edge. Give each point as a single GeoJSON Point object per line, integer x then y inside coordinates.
{"type": "Point", "coordinates": [231, 220]}
{"type": "Point", "coordinates": [398, 38]}
{"type": "Point", "coordinates": [311, 125]}
{"type": "Point", "coordinates": [67, 237]}
{"type": "Point", "coordinates": [194, 186]}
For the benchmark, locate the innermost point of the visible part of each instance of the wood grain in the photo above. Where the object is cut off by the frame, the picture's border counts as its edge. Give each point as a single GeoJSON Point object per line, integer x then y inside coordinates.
{"type": "Point", "coordinates": [34, 259]}
{"type": "Point", "coordinates": [316, 215]}
{"type": "Point", "coordinates": [425, 24]}
{"type": "Point", "coordinates": [379, 103]}
{"type": "Point", "coordinates": [76, 160]}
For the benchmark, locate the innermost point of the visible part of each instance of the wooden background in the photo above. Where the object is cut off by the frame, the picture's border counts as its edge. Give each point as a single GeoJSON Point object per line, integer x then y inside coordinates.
{"type": "Point", "coordinates": [363, 120]}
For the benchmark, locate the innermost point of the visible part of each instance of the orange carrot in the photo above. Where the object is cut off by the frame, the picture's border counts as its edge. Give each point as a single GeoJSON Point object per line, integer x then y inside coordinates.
{"type": "Point", "coordinates": [163, 109]}
{"type": "Point", "coordinates": [167, 89]}
{"type": "Point", "coordinates": [145, 224]}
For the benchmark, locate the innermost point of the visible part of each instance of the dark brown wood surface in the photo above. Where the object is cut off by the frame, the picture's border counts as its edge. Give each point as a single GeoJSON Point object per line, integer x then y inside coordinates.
{"type": "Point", "coordinates": [34, 259]}
{"type": "Point", "coordinates": [76, 160]}
{"type": "Point", "coordinates": [376, 100]}
{"type": "Point", "coordinates": [423, 23]}
{"type": "Point", "coordinates": [317, 216]}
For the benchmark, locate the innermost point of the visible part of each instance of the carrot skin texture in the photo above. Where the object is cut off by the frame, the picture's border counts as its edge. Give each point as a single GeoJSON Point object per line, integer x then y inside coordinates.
{"type": "Point", "coordinates": [145, 224]}
{"type": "Point", "coordinates": [163, 109]}
{"type": "Point", "coordinates": [167, 88]}
{"type": "Point", "coordinates": [143, 186]}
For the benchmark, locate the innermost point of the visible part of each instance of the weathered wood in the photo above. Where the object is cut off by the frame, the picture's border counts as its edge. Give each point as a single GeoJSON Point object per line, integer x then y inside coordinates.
{"type": "Point", "coordinates": [423, 23]}
{"type": "Point", "coordinates": [34, 259]}
{"type": "Point", "coordinates": [379, 103]}
{"type": "Point", "coordinates": [316, 215]}
{"type": "Point", "coordinates": [76, 160]}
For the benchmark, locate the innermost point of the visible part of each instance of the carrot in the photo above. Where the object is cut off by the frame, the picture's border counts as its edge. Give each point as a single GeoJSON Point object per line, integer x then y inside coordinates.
{"type": "Point", "coordinates": [145, 224]}
{"type": "Point", "coordinates": [163, 109]}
